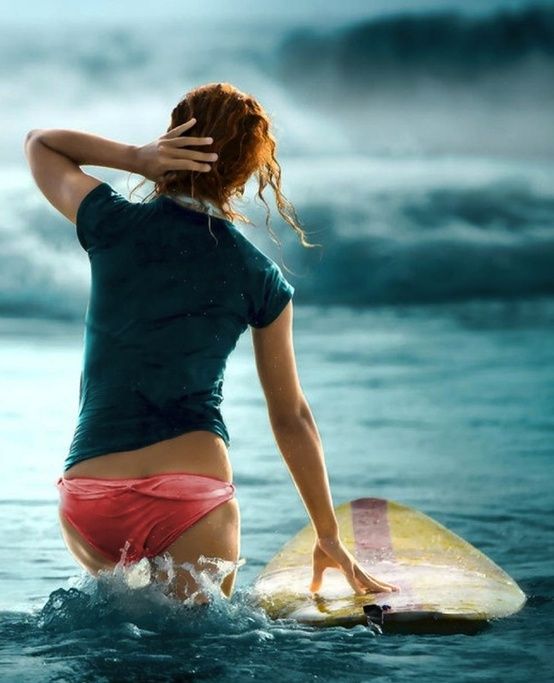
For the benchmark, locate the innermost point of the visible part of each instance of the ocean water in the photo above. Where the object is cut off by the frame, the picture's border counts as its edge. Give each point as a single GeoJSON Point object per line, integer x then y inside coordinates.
{"type": "Point", "coordinates": [424, 326]}
{"type": "Point", "coordinates": [447, 408]}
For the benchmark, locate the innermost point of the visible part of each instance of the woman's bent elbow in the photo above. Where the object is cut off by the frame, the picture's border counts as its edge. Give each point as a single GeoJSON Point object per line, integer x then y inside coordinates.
{"type": "Point", "coordinates": [291, 419]}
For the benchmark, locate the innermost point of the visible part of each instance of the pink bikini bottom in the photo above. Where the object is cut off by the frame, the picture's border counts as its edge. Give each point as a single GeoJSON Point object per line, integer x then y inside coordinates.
{"type": "Point", "coordinates": [129, 519]}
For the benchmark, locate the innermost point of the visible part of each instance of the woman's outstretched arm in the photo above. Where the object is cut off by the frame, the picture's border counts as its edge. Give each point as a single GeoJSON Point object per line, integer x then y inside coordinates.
{"type": "Point", "coordinates": [300, 444]}
{"type": "Point", "coordinates": [298, 440]}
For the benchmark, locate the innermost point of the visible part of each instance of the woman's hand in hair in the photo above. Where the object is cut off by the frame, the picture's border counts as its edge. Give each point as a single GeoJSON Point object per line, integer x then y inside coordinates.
{"type": "Point", "coordinates": [169, 153]}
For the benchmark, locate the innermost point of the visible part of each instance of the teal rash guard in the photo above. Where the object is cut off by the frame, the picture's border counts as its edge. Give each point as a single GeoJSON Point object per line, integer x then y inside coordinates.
{"type": "Point", "coordinates": [172, 290]}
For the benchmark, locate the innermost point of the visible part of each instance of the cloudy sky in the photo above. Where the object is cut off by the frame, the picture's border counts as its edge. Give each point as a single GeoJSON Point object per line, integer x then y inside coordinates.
{"type": "Point", "coordinates": [40, 11]}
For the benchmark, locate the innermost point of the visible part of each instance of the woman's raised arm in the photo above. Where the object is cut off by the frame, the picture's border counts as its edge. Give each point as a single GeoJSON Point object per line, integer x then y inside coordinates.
{"type": "Point", "coordinates": [56, 155]}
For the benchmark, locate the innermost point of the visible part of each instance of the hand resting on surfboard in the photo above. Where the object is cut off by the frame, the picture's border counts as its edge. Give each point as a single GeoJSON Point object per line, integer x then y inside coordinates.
{"type": "Point", "coordinates": [445, 584]}
{"type": "Point", "coordinates": [330, 552]}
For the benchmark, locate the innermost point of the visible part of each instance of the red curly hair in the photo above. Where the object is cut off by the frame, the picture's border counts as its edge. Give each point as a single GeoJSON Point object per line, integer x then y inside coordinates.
{"type": "Point", "coordinates": [245, 145]}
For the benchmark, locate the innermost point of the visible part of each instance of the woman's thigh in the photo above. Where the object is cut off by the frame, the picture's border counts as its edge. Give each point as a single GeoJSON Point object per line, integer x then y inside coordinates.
{"type": "Point", "coordinates": [216, 535]}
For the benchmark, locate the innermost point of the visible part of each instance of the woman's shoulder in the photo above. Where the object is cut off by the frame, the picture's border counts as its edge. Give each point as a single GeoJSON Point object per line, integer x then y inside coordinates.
{"type": "Point", "coordinates": [253, 254]}
{"type": "Point", "coordinates": [103, 215]}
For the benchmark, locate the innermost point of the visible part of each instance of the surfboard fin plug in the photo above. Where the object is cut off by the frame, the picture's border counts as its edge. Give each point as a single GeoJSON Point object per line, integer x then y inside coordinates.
{"type": "Point", "coordinates": [375, 615]}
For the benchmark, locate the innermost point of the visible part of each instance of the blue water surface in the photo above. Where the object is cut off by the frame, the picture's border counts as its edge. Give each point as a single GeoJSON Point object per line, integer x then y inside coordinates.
{"type": "Point", "coordinates": [446, 408]}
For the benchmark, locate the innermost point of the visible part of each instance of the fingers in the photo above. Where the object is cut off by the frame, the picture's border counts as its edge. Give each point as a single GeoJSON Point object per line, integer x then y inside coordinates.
{"type": "Point", "coordinates": [193, 154]}
{"type": "Point", "coordinates": [316, 580]}
{"type": "Point", "coordinates": [187, 159]}
{"type": "Point", "coordinates": [374, 585]}
{"type": "Point", "coordinates": [362, 582]}
{"type": "Point", "coordinates": [181, 141]}
{"type": "Point", "coordinates": [320, 563]}
{"type": "Point", "coordinates": [359, 581]}
{"type": "Point", "coordinates": [341, 560]}
{"type": "Point", "coordinates": [336, 555]}
{"type": "Point", "coordinates": [358, 586]}
{"type": "Point", "coordinates": [180, 129]}
{"type": "Point", "coordinates": [172, 158]}
{"type": "Point", "coordinates": [174, 136]}
{"type": "Point", "coordinates": [184, 165]}
{"type": "Point", "coordinates": [188, 165]}
{"type": "Point", "coordinates": [178, 159]}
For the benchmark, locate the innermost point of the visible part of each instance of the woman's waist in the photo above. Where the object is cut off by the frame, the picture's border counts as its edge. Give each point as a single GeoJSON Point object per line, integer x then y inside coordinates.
{"type": "Point", "coordinates": [197, 451]}
{"type": "Point", "coordinates": [170, 399]}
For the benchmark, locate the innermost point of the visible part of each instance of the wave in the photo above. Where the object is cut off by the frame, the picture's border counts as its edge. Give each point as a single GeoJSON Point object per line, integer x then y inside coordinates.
{"type": "Point", "coordinates": [393, 244]}
{"type": "Point", "coordinates": [447, 244]}
{"type": "Point", "coordinates": [402, 89]}
{"type": "Point", "coordinates": [445, 45]}
{"type": "Point", "coordinates": [437, 82]}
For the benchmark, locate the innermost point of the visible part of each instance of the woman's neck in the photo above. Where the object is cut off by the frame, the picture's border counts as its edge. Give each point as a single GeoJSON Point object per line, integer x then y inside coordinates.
{"type": "Point", "coordinates": [202, 205]}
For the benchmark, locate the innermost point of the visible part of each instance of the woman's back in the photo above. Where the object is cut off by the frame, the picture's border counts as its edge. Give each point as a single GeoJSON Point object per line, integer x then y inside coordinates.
{"type": "Point", "coordinates": [172, 290]}
{"type": "Point", "coordinates": [157, 292]}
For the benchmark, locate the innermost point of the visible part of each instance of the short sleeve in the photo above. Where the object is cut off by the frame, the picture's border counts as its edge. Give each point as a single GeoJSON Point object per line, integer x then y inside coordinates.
{"type": "Point", "coordinates": [101, 217]}
{"type": "Point", "coordinates": [271, 296]}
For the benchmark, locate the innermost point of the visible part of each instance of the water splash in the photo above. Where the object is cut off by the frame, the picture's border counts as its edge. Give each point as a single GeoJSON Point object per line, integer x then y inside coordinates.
{"type": "Point", "coordinates": [208, 574]}
{"type": "Point", "coordinates": [141, 598]}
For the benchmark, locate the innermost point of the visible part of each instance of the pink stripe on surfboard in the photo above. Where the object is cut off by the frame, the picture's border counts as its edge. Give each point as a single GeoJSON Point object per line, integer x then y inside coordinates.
{"type": "Point", "coordinates": [374, 542]}
{"type": "Point", "coordinates": [371, 529]}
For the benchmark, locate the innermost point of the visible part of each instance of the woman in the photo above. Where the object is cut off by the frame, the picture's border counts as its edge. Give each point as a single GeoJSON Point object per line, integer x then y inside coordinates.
{"type": "Point", "coordinates": [174, 284]}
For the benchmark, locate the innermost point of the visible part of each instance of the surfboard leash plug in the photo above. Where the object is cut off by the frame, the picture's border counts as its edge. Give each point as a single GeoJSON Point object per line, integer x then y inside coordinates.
{"type": "Point", "coordinates": [375, 615]}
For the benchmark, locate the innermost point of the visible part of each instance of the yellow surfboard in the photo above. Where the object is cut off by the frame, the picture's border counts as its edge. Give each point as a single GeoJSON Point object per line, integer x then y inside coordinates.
{"type": "Point", "coordinates": [445, 583]}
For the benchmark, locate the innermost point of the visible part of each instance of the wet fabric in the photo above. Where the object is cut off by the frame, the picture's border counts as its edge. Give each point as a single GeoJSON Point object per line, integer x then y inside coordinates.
{"type": "Point", "coordinates": [128, 519]}
{"type": "Point", "coordinates": [172, 290]}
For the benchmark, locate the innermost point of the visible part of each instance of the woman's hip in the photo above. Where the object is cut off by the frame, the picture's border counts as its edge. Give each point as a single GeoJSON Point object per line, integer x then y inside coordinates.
{"type": "Point", "coordinates": [130, 518]}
